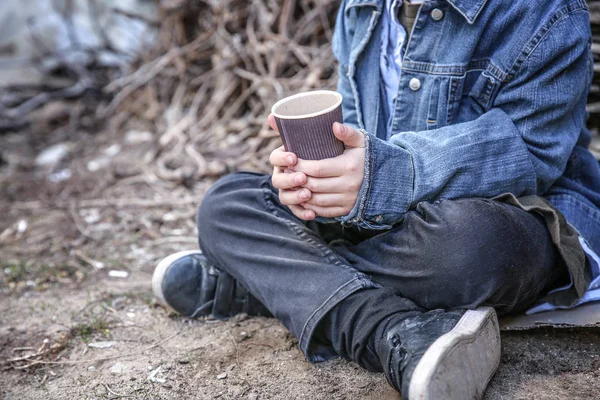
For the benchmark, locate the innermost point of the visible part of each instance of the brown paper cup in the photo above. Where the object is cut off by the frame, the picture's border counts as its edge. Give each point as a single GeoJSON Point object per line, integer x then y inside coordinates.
{"type": "Point", "coordinates": [305, 122]}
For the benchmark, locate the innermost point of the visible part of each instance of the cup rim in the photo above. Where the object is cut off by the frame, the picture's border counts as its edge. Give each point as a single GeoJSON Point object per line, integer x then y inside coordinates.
{"type": "Point", "coordinates": [306, 94]}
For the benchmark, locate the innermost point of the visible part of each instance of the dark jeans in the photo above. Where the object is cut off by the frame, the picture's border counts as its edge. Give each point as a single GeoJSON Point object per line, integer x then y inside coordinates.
{"type": "Point", "coordinates": [448, 254]}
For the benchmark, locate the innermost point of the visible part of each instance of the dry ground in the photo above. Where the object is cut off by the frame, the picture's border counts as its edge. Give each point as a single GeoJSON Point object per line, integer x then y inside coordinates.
{"type": "Point", "coordinates": [57, 299]}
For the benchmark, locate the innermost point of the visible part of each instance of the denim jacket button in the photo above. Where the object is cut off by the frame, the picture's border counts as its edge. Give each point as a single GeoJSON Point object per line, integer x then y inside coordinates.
{"type": "Point", "coordinates": [414, 84]}
{"type": "Point", "coordinates": [437, 14]}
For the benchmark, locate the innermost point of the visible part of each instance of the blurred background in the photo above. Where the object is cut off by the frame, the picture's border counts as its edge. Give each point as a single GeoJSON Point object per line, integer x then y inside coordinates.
{"type": "Point", "coordinates": [115, 118]}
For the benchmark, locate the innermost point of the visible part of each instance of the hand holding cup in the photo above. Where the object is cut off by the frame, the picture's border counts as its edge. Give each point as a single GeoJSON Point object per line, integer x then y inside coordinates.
{"type": "Point", "coordinates": [327, 181]}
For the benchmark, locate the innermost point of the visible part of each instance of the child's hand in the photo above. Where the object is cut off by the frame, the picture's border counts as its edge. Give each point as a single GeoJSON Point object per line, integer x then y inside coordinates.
{"type": "Point", "coordinates": [327, 188]}
{"type": "Point", "coordinates": [334, 183]}
{"type": "Point", "coordinates": [288, 182]}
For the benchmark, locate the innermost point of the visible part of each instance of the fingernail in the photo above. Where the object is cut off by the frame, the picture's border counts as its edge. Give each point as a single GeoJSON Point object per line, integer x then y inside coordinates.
{"type": "Point", "coordinates": [303, 194]}
{"type": "Point", "coordinates": [308, 215]}
{"type": "Point", "coordinates": [299, 179]}
{"type": "Point", "coordinates": [341, 127]}
{"type": "Point", "coordinates": [290, 160]}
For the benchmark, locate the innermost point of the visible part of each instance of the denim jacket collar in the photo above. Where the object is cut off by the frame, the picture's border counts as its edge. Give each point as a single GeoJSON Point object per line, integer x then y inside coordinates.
{"type": "Point", "coordinates": [469, 9]}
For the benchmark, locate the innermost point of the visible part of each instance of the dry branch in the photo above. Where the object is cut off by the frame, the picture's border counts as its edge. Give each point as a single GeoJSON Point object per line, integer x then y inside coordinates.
{"type": "Point", "coordinates": [216, 69]}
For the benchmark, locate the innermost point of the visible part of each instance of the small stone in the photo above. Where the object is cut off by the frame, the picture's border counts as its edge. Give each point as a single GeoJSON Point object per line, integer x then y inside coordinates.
{"type": "Point", "coordinates": [253, 396]}
{"type": "Point", "coordinates": [52, 155]}
{"type": "Point", "coordinates": [113, 150]}
{"type": "Point", "coordinates": [183, 361]}
{"type": "Point", "coordinates": [98, 164]}
{"type": "Point", "coordinates": [240, 317]}
{"type": "Point", "coordinates": [91, 368]}
{"type": "Point", "coordinates": [118, 369]}
{"type": "Point", "coordinates": [22, 226]}
{"type": "Point", "coordinates": [92, 216]}
{"type": "Point", "coordinates": [222, 376]}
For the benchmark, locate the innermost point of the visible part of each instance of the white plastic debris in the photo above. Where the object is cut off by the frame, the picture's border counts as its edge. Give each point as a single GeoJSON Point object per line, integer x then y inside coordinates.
{"type": "Point", "coordinates": [113, 150]}
{"type": "Point", "coordinates": [131, 315]}
{"type": "Point", "coordinates": [52, 155]}
{"type": "Point", "coordinates": [98, 164]}
{"type": "Point", "coordinates": [92, 216]}
{"type": "Point", "coordinates": [59, 176]}
{"type": "Point", "coordinates": [113, 273]}
{"type": "Point", "coordinates": [135, 137]}
{"type": "Point", "coordinates": [152, 377]}
{"type": "Point", "coordinates": [102, 345]}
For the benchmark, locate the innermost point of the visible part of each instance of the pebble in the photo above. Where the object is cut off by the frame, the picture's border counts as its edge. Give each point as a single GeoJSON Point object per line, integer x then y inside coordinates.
{"type": "Point", "coordinates": [222, 376]}
{"type": "Point", "coordinates": [52, 155]}
{"type": "Point", "coordinates": [118, 368]}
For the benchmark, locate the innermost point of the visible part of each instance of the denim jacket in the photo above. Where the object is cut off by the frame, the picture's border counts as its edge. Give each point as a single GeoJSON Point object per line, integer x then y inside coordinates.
{"type": "Point", "coordinates": [491, 100]}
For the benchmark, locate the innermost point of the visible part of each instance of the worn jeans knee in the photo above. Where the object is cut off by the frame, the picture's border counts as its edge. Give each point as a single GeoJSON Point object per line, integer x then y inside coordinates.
{"type": "Point", "coordinates": [220, 205]}
{"type": "Point", "coordinates": [486, 248]}
{"type": "Point", "coordinates": [462, 253]}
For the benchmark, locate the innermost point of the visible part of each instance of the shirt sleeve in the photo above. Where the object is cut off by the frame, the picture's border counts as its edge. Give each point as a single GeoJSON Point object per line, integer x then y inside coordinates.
{"type": "Point", "coordinates": [520, 146]}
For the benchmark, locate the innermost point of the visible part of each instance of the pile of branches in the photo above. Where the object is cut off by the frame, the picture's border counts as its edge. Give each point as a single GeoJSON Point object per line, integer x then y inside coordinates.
{"type": "Point", "coordinates": [216, 69]}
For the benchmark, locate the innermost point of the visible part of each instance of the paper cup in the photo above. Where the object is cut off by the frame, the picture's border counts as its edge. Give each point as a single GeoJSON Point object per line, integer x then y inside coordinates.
{"type": "Point", "coordinates": [305, 123]}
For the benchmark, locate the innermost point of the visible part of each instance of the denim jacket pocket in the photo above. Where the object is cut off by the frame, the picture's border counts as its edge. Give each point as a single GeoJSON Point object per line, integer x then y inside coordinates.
{"type": "Point", "coordinates": [433, 112]}
{"type": "Point", "coordinates": [484, 90]}
{"type": "Point", "coordinates": [444, 97]}
{"type": "Point", "coordinates": [455, 89]}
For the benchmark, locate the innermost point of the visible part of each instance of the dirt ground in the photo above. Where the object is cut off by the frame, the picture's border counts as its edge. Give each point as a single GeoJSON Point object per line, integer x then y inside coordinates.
{"type": "Point", "coordinates": [70, 329]}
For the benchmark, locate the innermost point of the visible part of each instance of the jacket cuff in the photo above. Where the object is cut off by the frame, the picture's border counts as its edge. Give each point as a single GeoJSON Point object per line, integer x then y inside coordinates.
{"type": "Point", "coordinates": [387, 189]}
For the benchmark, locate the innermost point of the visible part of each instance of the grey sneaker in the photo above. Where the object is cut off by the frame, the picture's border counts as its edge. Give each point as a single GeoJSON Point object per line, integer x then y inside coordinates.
{"type": "Point", "coordinates": [187, 283]}
{"type": "Point", "coordinates": [442, 355]}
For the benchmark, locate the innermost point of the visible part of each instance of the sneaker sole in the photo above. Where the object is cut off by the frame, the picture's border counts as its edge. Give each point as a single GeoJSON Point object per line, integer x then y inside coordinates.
{"type": "Point", "coordinates": [460, 364]}
{"type": "Point", "coordinates": [159, 273]}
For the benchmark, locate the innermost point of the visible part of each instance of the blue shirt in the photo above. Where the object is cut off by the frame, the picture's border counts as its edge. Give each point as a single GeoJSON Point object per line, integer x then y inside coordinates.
{"type": "Point", "coordinates": [393, 36]}
{"type": "Point", "coordinates": [488, 102]}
